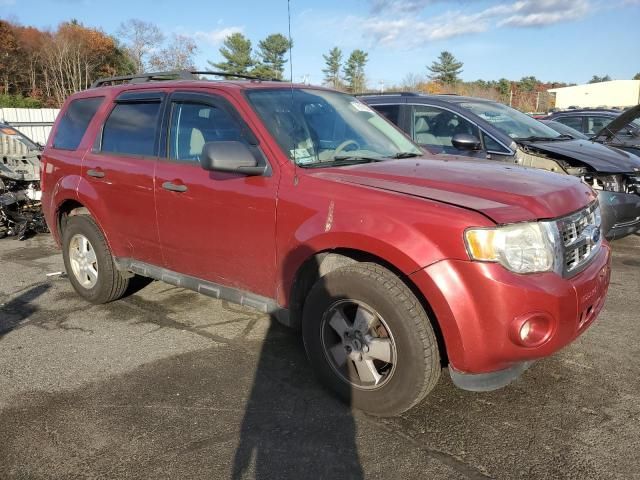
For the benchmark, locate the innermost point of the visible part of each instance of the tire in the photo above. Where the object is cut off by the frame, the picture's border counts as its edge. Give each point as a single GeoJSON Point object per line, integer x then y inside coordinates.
{"type": "Point", "coordinates": [109, 283]}
{"type": "Point", "coordinates": [411, 366]}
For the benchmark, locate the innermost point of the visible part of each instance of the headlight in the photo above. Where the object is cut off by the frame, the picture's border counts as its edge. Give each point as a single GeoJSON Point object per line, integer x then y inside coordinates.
{"type": "Point", "coordinates": [521, 248]}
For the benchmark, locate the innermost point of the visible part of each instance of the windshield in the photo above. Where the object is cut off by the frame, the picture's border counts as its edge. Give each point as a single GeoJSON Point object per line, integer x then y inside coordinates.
{"type": "Point", "coordinates": [314, 127]}
{"type": "Point", "coordinates": [512, 122]}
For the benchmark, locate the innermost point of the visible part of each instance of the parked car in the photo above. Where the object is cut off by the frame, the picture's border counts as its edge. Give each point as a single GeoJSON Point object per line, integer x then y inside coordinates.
{"type": "Point", "coordinates": [565, 130]}
{"type": "Point", "coordinates": [609, 127]}
{"type": "Point", "coordinates": [304, 203]}
{"type": "Point", "coordinates": [20, 211]}
{"type": "Point", "coordinates": [488, 130]}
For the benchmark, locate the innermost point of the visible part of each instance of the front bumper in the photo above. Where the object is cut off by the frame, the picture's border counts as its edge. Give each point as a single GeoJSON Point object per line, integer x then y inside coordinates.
{"type": "Point", "coordinates": [477, 304]}
{"type": "Point", "coordinates": [620, 213]}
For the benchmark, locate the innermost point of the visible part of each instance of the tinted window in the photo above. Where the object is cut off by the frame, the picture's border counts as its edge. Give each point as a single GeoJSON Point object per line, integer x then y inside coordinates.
{"type": "Point", "coordinates": [435, 127]}
{"type": "Point", "coordinates": [390, 112]}
{"type": "Point", "coordinates": [131, 129]}
{"type": "Point", "coordinates": [492, 145]}
{"type": "Point", "coordinates": [595, 124]}
{"type": "Point", "coordinates": [573, 122]}
{"type": "Point", "coordinates": [75, 121]}
{"type": "Point", "coordinates": [193, 125]}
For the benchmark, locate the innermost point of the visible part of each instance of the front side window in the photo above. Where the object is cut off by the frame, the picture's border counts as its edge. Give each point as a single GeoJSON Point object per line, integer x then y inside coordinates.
{"type": "Point", "coordinates": [573, 122]}
{"type": "Point", "coordinates": [194, 124]}
{"type": "Point", "coordinates": [75, 121]}
{"type": "Point", "coordinates": [131, 129]}
{"type": "Point", "coordinates": [510, 121]}
{"type": "Point", "coordinates": [390, 112]}
{"type": "Point", "coordinates": [436, 127]}
{"type": "Point", "coordinates": [318, 127]}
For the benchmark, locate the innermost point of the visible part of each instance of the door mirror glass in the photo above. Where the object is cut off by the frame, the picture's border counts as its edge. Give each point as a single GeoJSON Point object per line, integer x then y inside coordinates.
{"type": "Point", "coordinates": [230, 156]}
{"type": "Point", "coordinates": [466, 142]}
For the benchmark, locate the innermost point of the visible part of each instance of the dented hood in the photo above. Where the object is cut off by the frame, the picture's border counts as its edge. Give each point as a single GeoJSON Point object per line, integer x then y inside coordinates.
{"type": "Point", "coordinates": [599, 157]}
{"type": "Point", "coordinates": [504, 193]}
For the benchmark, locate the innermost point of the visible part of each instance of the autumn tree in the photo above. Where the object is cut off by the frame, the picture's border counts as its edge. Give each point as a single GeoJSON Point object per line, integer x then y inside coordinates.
{"type": "Point", "coordinates": [333, 65]}
{"type": "Point", "coordinates": [177, 55]}
{"type": "Point", "coordinates": [446, 69]}
{"type": "Point", "coordinates": [9, 57]}
{"type": "Point", "coordinates": [237, 54]}
{"type": "Point", "coordinates": [354, 71]}
{"type": "Point", "coordinates": [271, 56]}
{"type": "Point", "coordinates": [141, 39]}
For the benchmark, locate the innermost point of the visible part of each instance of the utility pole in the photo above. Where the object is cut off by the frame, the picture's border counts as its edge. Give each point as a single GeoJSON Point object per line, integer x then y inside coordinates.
{"type": "Point", "coordinates": [381, 83]}
{"type": "Point", "coordinates": [511, 97]}
{"type": "Point", "coordinates": [537, 102]}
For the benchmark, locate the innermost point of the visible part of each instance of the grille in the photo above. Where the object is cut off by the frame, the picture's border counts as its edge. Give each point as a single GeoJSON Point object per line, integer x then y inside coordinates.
{"type": "Point", "coordinates": [581, 238]}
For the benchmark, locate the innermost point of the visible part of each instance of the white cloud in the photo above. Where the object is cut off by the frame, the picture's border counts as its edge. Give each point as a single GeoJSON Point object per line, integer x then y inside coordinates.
{"type": "Point", "coordinates": [217, 36]}
{"type": "Point", "coordinates": [396, 22]}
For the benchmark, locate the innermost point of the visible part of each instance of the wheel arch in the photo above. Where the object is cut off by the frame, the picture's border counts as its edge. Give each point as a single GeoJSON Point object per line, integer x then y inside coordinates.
{"type": "Point", "coordinates": [321, 263]}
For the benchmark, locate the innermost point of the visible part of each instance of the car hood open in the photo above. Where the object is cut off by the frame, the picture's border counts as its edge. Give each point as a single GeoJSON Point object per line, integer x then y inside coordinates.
{"type": "Point", "coordinates": [504, 193]}
{"type": "Point", "coordinates": [599, 157]}
{"type": "Point", "coordinates": [611, 130]}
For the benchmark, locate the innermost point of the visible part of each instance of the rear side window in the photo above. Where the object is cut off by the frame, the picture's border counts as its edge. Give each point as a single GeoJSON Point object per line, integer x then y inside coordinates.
{"type": "Point", "coordinates": [75, 121]}
{"type": "Point", "coordinates": [131, 129]}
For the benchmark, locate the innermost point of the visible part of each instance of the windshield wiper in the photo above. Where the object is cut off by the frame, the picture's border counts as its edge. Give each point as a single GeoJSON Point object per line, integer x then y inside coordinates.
{"type": "Point", "coordinates": [405, 155]}
{"type": "Point", "coordinates": [341, 161]}
{"type": "Point", "coordinates": [535, 138]}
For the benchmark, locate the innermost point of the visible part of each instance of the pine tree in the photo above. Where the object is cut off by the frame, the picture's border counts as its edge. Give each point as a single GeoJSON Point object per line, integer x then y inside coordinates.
{"type": "Point", "coordinates": [333, 61]}
{"type": "Point", "coordinates": [272, 51]}
{"type": "Point", "coordinates": [354, 71]}
{"type": "Point", "coordinates": [236, 50]}
{"type": "Point", "coordinates": [446, 69]}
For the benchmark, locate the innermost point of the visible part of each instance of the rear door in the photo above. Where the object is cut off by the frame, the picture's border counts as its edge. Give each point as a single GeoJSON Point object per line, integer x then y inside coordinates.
{"type": "Point", "coordinates": [120, 168]}
{"type": "Point", "coordinates": [214, 226]}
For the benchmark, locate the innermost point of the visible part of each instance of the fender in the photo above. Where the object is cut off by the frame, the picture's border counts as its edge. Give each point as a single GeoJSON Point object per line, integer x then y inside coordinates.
{"type": "Point", "coordinates": [63, 190]}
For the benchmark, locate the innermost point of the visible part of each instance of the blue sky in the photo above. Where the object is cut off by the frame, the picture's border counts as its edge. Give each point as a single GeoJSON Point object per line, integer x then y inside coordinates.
{"type": "Point", "coordinates": [555, 40]}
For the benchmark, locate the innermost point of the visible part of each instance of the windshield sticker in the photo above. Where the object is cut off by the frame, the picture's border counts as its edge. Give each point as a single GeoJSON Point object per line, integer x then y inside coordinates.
{"type": "Point", "coordinates": [301, 155]}
{"type": "Point", "coordinates": [361, 107]}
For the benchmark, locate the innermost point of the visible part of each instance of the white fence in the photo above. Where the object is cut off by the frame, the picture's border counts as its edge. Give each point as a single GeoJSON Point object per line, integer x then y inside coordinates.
{"type": "Point", "coordinates": [35, 123]}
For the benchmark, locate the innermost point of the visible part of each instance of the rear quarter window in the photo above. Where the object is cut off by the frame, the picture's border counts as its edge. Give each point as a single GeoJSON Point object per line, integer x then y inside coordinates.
{"type": "Point", "coordinates": [74, 122]}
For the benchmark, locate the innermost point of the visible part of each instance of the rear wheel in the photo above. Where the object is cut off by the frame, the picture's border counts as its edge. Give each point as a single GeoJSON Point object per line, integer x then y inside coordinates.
{"type": "Point", "coordinates": [370, 340]}
{"type": "Point", "coordinates": [89, 263]}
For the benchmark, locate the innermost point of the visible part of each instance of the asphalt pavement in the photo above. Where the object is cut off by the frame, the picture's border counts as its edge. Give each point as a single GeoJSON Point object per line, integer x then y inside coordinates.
{"type": "Point", "coordinates": [166, 383]}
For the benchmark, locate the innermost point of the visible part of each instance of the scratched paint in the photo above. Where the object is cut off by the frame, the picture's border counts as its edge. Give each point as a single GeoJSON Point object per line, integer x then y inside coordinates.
{"type": "Point", "coordinates": [329, 223]}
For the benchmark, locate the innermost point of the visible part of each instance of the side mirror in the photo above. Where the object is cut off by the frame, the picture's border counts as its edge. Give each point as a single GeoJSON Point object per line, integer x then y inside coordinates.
{"type": "Point", "coordinates": [464, 141]}
{"type": "Point", "coordinates": [231, 156]}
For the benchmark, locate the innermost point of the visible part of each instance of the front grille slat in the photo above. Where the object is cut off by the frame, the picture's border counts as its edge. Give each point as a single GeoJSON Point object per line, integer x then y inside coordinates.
{"type": "Point", "coordinates": [580, 239]}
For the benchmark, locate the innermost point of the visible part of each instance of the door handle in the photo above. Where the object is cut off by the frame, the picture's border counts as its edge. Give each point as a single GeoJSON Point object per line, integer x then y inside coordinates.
{"type": "Point", "coordinates": [95, 173]}
{"type": "Point", "coordinates": [173, 187]}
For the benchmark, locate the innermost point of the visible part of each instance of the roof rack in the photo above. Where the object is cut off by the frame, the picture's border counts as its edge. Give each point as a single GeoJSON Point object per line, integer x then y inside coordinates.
{"type": "Point", "coordinates": [172, 75]}
{"type": "Point", "coordinates": [402, 94]}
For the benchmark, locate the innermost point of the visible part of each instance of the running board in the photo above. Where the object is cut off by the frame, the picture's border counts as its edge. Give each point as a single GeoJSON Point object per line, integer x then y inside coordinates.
{"type": "Point", "coordinates": [210, 289]}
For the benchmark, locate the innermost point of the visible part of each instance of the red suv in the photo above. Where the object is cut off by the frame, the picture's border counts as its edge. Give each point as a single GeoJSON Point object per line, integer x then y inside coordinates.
{"type": "Point", "coordinates": [304, 203]}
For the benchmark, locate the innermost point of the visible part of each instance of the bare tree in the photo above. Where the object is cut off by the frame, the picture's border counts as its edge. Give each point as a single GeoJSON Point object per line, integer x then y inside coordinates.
{"type": "Point", "coordinates": [177, 55]}
{"type": "Point", "coordinates": [141, 39]}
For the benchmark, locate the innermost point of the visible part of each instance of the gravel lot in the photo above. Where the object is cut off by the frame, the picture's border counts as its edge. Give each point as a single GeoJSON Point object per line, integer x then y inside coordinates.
{"type": "Point", "coordinates": [170, 384]}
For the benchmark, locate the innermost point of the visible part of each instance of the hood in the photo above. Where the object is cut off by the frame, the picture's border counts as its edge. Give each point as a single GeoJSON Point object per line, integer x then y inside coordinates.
{"type": "Point", "coordinates": [504, 193]}
{"type": "Point", "coordinates": [599, 157]}
{"type": "Point", "coordinates": [611, 130]}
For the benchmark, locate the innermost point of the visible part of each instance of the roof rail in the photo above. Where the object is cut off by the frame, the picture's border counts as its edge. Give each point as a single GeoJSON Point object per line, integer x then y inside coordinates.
{"type": "Point", "coordinates": [172, 75]}
{"type": "Point", "coordinates": [402, 94]}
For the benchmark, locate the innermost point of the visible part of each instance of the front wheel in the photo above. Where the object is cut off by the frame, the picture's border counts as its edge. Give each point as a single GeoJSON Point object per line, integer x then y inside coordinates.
{"type": "Point", "coordinates": [370, 340]}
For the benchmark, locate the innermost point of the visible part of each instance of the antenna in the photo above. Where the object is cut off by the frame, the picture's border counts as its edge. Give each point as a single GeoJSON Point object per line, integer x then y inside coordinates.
{"type": "Point", "coordinates": [293, 139]}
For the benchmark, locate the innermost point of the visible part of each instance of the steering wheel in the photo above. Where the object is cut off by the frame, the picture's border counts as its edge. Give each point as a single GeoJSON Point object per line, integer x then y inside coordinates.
{"type": "Point", "coordinates": [344, 145]}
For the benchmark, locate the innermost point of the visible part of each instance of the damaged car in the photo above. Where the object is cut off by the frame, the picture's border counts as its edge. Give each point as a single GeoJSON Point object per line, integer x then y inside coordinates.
{"type": "Point", "coordinates": [609, 127]}
{"type": "Point", "coordinates": [20, 206]}
{"type": "Point", "coordinates": [488, 130]}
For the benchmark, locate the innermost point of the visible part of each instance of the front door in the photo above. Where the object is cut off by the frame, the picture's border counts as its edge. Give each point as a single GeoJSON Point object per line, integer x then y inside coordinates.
{"type": "Point", "coordinates": [215, 226]}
